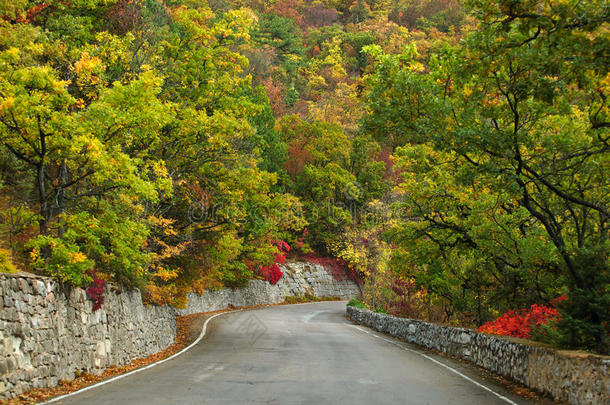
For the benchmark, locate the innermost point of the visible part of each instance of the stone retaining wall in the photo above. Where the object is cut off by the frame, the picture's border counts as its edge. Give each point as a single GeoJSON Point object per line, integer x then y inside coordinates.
{"type": "Point", "coordinates": [577, 378]}
{"type": "Point", "coordinates": [49, 332]}
{"type": "Point", "coordinates": [299, 279]}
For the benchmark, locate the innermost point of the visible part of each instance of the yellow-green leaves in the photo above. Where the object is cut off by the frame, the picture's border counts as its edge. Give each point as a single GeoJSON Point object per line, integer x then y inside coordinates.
{"type": "Point", "coordinates": [503, 148]}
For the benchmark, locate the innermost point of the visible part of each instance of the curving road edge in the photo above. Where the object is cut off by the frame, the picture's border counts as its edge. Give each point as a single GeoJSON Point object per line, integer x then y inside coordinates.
{"type": "Point", "coordinates": [439, 363]}
{"type": "Point", "coordinates": [156, 363]}
{"type": "Point", "coordinates": [238, 369]}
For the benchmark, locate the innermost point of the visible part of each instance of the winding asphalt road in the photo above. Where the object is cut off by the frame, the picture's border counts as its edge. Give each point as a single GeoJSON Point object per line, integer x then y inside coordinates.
{"type": "Point", "coordinates": [300, 354]}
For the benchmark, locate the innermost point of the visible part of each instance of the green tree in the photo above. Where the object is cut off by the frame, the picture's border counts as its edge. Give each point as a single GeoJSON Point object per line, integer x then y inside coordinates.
{"type": "Point", "coordinates": [519, 112]}
{"type": "Point", "coordinates": [281, 33]}
{"type": "Point", "coordinates": [318, 165]}
{"type": "Point", "coordinates": [83, 142]}
{"type": "Point", "coordinates": [142, 142]}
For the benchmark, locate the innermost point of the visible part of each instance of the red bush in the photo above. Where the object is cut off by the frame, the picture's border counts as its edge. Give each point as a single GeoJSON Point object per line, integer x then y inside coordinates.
{"type": "Point", "coordinates": [273, 273]}
{"type": "Point", "coordinates": [521, 322]}
{"type": "Point", "coordinates": [95, 292]}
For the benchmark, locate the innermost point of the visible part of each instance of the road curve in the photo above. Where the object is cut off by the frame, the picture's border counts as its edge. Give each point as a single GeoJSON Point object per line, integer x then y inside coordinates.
{"type": "Point", "coordinates": [299, 354]}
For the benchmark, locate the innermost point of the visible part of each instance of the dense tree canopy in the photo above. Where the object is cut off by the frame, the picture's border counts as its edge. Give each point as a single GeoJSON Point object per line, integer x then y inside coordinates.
{"type": "Point", "coordinates": [503, 143]}
{"type": "Point", "coordinates": [454, 154]}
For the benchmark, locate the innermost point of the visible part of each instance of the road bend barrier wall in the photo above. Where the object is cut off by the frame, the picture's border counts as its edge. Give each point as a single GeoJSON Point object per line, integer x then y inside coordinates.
{"type": "Point", "coordinates": [575, 377]}
{"type": "Point", "coordinates": [299, 279]}
{"type": "Point", "coordinates": [50, 332]}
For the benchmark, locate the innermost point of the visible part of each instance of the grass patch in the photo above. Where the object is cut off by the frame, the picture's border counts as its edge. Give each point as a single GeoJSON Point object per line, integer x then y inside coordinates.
{"type": "Point", "coordinates": [300, 299]}
{"type": "Point", "coordinates": [356, 303]}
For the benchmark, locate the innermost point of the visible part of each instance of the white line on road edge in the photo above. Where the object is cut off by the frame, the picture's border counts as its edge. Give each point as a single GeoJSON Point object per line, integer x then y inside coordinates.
{"type": "Point", "coordinates": [118, 377]}
{"type": "Point", "coordinates": [439, 363]}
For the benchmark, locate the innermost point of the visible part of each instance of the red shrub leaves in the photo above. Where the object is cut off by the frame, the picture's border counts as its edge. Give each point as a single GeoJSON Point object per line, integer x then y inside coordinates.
{"type": "Point", "coordinates": [521, 322]}
{"type": "Point", "coordinates": [273, 273]}
{"type": "Point", "coordinates": [95, 292]}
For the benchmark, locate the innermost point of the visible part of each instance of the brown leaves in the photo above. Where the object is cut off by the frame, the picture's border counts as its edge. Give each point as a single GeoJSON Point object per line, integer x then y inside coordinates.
{"type": "Point", "coordinates": [188, 330]}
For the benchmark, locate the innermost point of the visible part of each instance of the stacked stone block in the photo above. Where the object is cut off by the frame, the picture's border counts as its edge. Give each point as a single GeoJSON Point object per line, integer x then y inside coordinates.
{"type": "Point", "coordinates": [49, 331]}
{"type": "Point", "coordinates": [578, 378]}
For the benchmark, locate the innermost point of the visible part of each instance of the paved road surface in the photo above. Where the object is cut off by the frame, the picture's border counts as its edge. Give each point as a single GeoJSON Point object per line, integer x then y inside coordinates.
{"type": "Point", "coordinates": [298, 354]}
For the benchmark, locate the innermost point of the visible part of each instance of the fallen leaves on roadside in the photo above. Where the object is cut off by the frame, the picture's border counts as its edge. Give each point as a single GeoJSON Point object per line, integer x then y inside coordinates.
{"type": "Point", "coordinates": [184, 336]}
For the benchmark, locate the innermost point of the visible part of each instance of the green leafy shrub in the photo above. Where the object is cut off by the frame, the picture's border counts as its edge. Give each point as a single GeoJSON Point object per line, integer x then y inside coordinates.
{"type": "Point", "coordinates": [60, 259]}
{"type": "Point", "coordinates": [547, 333]}
{"type": "Point", "coordinates": [356, 303]}
{"type": "Point", "coordinates": [585, 319]}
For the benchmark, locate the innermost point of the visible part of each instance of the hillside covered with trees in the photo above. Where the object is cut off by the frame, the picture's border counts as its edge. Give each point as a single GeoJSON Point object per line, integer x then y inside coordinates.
{"type": "Point", "coordinates": [453, 157]}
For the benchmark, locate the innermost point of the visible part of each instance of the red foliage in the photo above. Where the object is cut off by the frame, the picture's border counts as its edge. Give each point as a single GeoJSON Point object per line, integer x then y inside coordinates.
{"type": "Point", "coordinates": [409, 302]}
{"type": "Point", "coordinates": [315, 51]}
{"type": "Point", "coordinates": [305, 14]}
{"type": "Point", "coordinates": [33, 11]}
{"type": "Point", "coordinates": [301, 239]}
{"type": "Point", "coordinates": [399, 286]}
{"type": "Point", "coordinates": [521, 322]}
{"type": "Point", "coordinates": [409, 15]}
{"type": "Point", "coordinates": [300, 109]}
{"type": "Point", "coordinates": [317, 16]}
{"type": "Point", "coordinates": [275, 91]}
{"type": "Point", "coordinates": [336, 267]}
{"type": "Point", "coordinates": [273, 273]}
{"type": "Point", "coordinates": [124, 16]}
{"type": "Point", "coordinates": [385, 156]}
{"type": "Point", "coordinates": [298, 157]}
{"type": "Point", "coordinates": [289, 9]}
{"type": "Point", "coordinates": [95, 292]}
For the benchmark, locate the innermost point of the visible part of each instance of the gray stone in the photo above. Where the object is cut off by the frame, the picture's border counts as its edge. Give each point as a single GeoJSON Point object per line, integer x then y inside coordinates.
{"type": "Point", "coordinates": [24, 286]}
{"type": "Point", "coordinates": [10, 365]}
{"type": "Point", "coordinates": [562, 375]}
{"type": "Point", "coordinates": [48, 331]}
{"type": "Point", "coordinates": [39, 288]}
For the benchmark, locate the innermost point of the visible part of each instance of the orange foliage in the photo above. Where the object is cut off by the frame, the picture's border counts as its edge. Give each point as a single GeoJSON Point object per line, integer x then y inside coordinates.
{"type": "Point", "coordinates": [275, 91]}
{"type": "Point", "coordinates": [289, 9]}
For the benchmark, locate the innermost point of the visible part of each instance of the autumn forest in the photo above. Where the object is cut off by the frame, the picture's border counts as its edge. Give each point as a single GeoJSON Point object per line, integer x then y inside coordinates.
{"type": "Point", "coordinates": [451, 156]}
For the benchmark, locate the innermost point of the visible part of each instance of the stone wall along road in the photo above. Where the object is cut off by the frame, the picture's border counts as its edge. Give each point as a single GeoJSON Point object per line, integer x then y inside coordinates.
{"type": "Point", "coordinates": [49, 331]}
{"type": "Point", "coordinates": [578, 378]}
